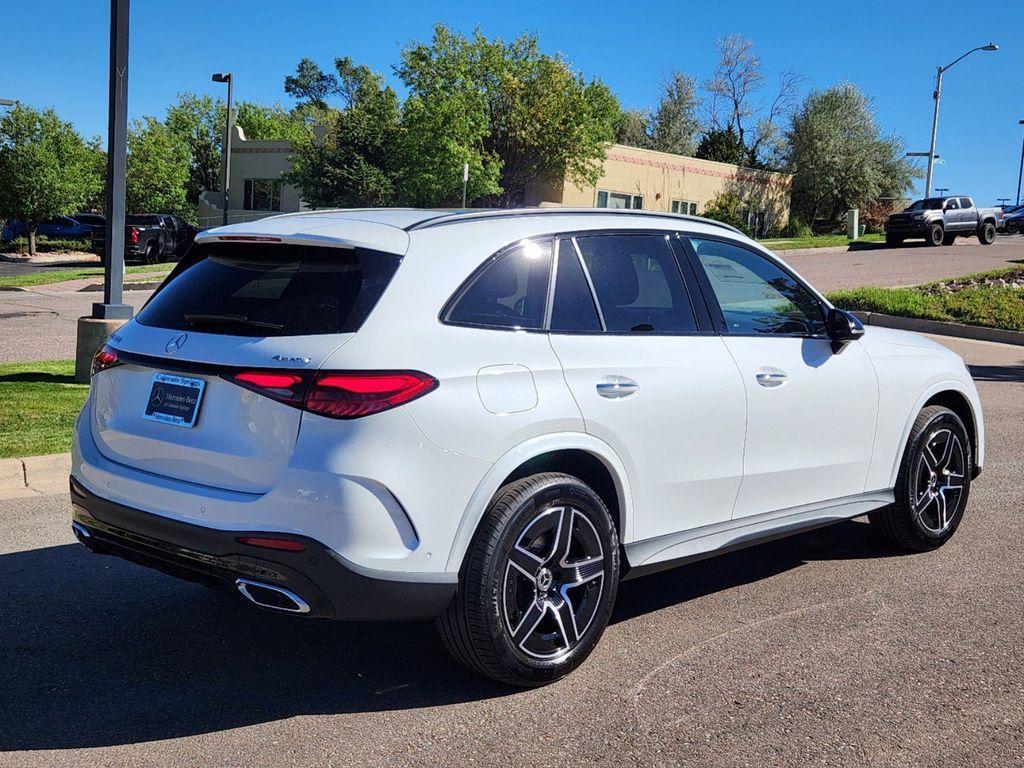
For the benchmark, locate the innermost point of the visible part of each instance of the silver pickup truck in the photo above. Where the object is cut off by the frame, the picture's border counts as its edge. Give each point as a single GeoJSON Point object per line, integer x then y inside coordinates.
{"type": "Point", "coordinates": [941, 220]}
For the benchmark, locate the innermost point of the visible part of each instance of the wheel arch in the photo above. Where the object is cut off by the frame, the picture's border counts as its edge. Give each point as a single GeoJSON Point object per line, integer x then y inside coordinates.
{"type": "Point", "coordinates": [577, 454]}
{"type": "Point", "coordinates": [955, 396]}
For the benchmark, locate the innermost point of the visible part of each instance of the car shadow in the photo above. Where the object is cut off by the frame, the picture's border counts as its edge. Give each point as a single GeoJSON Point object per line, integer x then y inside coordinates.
{"type": "Point", "coordinates": [95, 651]}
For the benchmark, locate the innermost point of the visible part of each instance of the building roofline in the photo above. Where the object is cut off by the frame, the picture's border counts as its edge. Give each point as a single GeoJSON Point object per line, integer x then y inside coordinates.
{"type": "Point", "coordinates": [443, 219]}
{"type": "Point", "coordinates": [733, 166]}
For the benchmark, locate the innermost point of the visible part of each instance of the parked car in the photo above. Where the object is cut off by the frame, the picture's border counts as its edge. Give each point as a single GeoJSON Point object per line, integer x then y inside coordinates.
{"type": "Point", "coordinates": [940, 220]}
{"type": "Point", "coordinates": [1013, 220]}
{"type": "Point", "coordinates": [491, 418]}
{"type": "Point", "coordinates": [56, 228]}
{"type": "Point", "coordinates": [95, 222]}
{"type": "Point", "coordinates": [145, 239]}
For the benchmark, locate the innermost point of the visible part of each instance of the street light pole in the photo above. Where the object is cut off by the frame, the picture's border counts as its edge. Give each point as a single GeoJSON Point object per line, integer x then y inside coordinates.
{"type": "Point", "coordinates": [1021, 171]}
{"type": "Point", "coordinates": [935, 113]}
{"type": "Point", "coordinates": [225, 77]}
{"type": "Point", "coordinates": [7, 102]}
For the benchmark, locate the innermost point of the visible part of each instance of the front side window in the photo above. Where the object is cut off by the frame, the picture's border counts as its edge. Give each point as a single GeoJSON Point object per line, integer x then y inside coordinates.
{"type": "Point", "coordinates": [510, 292]}
{"type": "Point", "coordinates": [638, 284]}
{"type": "Point", "coordinates": [756, 295]}
{"type": "Point", "coordinates": [952, 204]}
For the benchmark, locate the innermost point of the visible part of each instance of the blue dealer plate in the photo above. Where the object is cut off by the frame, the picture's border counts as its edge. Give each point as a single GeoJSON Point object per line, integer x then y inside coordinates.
{"type": "Point", "coordinates": [174, 399]}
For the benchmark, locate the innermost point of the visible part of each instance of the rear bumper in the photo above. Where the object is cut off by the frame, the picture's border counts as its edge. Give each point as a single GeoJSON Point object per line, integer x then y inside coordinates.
{"type": "Point", "coordinates": [318, 576]}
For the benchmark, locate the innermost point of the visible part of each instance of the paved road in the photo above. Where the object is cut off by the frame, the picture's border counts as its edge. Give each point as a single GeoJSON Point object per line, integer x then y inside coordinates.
{"type": "Point", "coordinates": [823, 649]}
{"type": "Point", "coordinates": [877, 264]}
{"type": "Point", "coordinates": [11, 268]}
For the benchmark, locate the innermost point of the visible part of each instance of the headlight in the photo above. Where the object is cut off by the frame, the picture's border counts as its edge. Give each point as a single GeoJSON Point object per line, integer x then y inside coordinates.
{"type": "Point", "coordinates": [918, 216]}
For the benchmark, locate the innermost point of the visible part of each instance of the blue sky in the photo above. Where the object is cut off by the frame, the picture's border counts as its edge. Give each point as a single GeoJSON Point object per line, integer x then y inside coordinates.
{"type": "Point", "coordinates": [55, 51]}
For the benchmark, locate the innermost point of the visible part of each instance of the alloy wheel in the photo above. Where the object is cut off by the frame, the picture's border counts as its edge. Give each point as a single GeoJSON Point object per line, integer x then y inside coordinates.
{"type": "Point", "coordinates": [939, 481]}
{"type": "Point", "coordinates": [553, 582]}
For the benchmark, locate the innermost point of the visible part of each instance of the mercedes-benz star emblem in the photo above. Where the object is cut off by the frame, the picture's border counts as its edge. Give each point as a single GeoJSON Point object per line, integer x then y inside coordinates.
{"type": "Point", "coordinates": [158, 396]}
{"type": "Point", "coordinates": [176, 343]}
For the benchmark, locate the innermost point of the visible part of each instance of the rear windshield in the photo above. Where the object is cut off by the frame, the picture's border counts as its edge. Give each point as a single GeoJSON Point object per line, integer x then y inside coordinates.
{"type": "Point", "coordinates": [245, 289]}
{"type": "Point", "coordinates": [144, 220]}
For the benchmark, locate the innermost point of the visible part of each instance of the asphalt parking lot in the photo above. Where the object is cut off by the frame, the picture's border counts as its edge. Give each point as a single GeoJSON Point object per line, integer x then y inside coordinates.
{"type": "Point", "coordinates": [825, 649]}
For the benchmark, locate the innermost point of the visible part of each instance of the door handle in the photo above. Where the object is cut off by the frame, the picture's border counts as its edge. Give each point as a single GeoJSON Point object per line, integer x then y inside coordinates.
{"type": "Point", "coordinates": [617, 387]}
{"type": "Point", "coordinates": [771, 377]}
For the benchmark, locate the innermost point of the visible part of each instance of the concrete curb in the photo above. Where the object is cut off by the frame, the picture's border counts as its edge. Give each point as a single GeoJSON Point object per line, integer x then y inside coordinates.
{"type": "Point", "coordinates": [977, 332]}
{"type": "Point", "coordinates": [34, 475]}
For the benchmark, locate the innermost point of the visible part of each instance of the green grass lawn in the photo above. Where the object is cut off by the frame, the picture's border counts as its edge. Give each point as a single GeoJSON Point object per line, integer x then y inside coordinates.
{"type": "Point", "coordinates": [992, 306]}
{"type": "Point", "coordinates": [38, 406]}
{"type": "Point", "coordinates": [817, 241]}
{"type": "Point", "coordinates": [60, 275]}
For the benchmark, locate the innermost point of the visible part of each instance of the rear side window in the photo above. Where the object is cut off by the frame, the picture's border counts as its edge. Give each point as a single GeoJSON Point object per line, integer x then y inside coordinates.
{"type": "Point", "coordinates": [638, 284]}
{"type": "Point", "coordinates": [510, 291]}
{"type": "Point", "coordinates": [573, 308]}
{"type": "Point", "coordinates": [245, 289]}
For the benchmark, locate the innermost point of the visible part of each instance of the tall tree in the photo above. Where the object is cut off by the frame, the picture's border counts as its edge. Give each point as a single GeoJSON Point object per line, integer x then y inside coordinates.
{"type": "Point", "coordinates": [839, 157]}
{"type": "Point", "coordinates": [633, 128]}
{"type": "Point", "coordinates": [46, 169]}
{"type": "Point", "coordinates": [198, 122]}
{"type": "Point", "coordinates": [735, 100]}
{"type": "Point", "coordinates": [675, 123]}
{"type": "Point", "coordinates": [722, 145]}
{"type": "Point", "coordinates": [514, 113]}
{"type": "Point", "coordinates": [350, 160]}
{"type": "Point", "coordinates": [157, 174]}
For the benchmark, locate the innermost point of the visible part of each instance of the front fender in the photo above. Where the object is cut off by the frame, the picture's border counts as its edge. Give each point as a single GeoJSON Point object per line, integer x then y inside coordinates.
{"type": "Point", "coordinates": [516, 457]}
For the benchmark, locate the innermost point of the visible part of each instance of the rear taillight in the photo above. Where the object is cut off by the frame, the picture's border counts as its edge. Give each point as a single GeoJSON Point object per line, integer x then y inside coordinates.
{"type": "Point", "coordinates": [338, 394]}
{"type": "Point", "coordinates": [351, 395]}
{"type": "Point", "coordinates": [135, 236]}
{"type": "Point", "coordinates": [105, 358]}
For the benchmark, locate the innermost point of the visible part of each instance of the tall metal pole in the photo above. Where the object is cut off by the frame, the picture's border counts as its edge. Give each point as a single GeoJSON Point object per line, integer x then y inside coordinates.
{"type": "Point", "coordinates": [1020, 173]}
{"type": "Point", "coordinates": [227, 149]}
{"type": "Point", "coordinates": [117, 152]}
{"type": "Point", "coordinates": [935, 127]}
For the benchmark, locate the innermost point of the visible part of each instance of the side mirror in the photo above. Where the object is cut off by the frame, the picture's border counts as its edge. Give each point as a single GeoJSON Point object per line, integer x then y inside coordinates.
{"type": "Point", "coordinates": [842, 326]}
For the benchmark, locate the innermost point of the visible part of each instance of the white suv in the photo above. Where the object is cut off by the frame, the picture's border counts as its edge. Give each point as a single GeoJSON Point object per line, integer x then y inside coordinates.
{"type": "Point", "coordinates": [491, 418]}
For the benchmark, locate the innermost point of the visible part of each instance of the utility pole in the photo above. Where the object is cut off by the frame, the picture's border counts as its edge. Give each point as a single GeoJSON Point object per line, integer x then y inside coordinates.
{"type": "Point", "coordinates": [465, 181]}
{"type": "Point", "coordinates": [936, 94]}
{"type": "Point", "coordinates": [225, 77]}
{"type": "Point", "coordinates": [109, 315]}
{"type": "Point", "coordinates": [1021, 171]}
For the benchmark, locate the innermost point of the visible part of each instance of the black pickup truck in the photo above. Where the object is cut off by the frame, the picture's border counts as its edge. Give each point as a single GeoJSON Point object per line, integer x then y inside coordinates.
{"type": "Point", "coordinates": [152, 237]}
{"type": "Point", "coordinates": [941, 220]}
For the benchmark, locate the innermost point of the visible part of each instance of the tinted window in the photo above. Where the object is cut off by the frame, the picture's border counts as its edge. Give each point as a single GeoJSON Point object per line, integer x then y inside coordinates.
{"type": "Point", "coordinates": [965, 202]}
{"type": "Point", "coordinates": [271, 290]}
{"type": "Point", "coordinates": [145, 221]}
{"type": "Point", "coordinates": [952, 204]}
{"type": "Point", "coordinates": [638, 284]}
{"type": "Point", "coordinates": [509, 292]}
{"type": "Point", "coordinates": [573, 308]}
{"type": "Point", "coordinates": [755, 294]}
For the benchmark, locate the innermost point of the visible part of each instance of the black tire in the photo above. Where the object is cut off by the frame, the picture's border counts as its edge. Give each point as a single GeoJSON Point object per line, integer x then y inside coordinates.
{"type": "Point", "coordinates": [1011, 228]}
{"type": "Point", "coordinates": [935, 235]}
{"type": "Point", "coordinates": [151, 255]}
{"type": "Point", "coordinates": [987, 233]}
{"type": "Point", "coordinates": [908, 524]}
{"type": "Point", "coordinates": [494, 591]}
{"type": "Point", "coordinates": [948, 239]}
{"type": "Point", "coordinates": [893, 241]}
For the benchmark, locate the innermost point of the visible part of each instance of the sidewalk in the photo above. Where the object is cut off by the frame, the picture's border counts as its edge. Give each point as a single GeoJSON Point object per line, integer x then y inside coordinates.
{"type": "Point", "coordinates": [34, 476]}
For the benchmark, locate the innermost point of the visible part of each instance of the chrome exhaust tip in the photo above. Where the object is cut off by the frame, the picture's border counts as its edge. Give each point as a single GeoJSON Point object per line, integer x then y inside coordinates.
{"type": "Point", "coordinates": [271, 597]}
{"type": "Point", "coordinates": [80, 531]}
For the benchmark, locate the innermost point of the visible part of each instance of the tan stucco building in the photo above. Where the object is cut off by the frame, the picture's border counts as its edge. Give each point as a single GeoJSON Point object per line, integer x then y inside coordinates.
{"type": "Point", "coordinates": [631, 178]}
{"type": "Point", "coordinates": [658, 181]}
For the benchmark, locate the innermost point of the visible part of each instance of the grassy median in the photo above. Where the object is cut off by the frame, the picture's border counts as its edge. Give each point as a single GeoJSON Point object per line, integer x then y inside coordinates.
{"type": "Point", "coordinates": [990, 299]}
{"type": "Point", "coordinates": [818, 241]}
{"type": "Point", "coordinates": [46, 277]}
{"type": "Point", "coordinates": [38, 406]}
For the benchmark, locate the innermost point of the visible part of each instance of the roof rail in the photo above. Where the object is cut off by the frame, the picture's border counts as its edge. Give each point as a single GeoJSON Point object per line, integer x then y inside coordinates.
{"type": "Point", "coordinates": [443, 219]}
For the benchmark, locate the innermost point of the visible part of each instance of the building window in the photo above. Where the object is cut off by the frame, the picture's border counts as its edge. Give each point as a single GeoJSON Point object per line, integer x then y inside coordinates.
{"type": "Point", "coordinates": [262, 195]}
{"type": "Point", "coordinates": [688, 207]}
{"type": "Point", "coordinates": [619, 200]}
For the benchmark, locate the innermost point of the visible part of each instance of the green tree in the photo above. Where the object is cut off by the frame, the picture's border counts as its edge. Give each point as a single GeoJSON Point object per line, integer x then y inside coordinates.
{"type": "Point", "coordinates": [157, 175]}
{"type": "Point", "coordinates": [513, 113]}
{"type": "Point", "coordinates": [198, 122]}
{"type": "Point", "coordinates": [722, 145]}
{"type": "Point", "coordinates": [727, 208]}
{"type": "Point", "coordinates": [633, 128]}
{"type": "Point", "coordinates": [839, 157]}
{"type": "Point", "coordinates": [675, 122]}
{"type": "Point", "coordinates": [262, 122]}
{"type": "Point", "coordinates": [350, 159]}
{"type": "Point", "coordinates": [46, 169]}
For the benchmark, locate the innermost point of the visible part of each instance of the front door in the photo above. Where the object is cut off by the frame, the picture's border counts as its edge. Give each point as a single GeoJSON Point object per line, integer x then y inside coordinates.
{"type": "Point", "coordinates": [811, 409]}
{"type": "Point", "coordinates": [661, 391]}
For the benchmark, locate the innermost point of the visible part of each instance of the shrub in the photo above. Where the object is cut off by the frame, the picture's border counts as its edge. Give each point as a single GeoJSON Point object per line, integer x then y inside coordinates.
{"type": "Point", "coordinates": [728, 209]}
{"type": "Point", "coordinates": [797, 227]}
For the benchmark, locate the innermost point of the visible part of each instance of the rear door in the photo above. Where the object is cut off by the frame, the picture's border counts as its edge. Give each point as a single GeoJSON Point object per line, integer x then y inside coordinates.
{"type": "Point", "coordinates": [651, 378]}
{"type": "Point", "coordinates": [229, 309]}
{"type": "Point", "coordinates": [811, 409]}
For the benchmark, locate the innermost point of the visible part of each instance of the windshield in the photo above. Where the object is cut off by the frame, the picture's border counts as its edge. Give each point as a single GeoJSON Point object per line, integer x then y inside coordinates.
{"type": "Point", "coordinates": [928, 204]}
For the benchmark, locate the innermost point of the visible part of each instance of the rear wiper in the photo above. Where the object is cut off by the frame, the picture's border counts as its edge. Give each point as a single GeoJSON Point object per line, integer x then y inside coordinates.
{"type": "Point", "coordinates": [214, 318]}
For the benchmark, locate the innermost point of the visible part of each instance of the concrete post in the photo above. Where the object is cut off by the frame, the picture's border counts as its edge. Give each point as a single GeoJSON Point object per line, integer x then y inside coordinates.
{"type": "Point", "coordinates": [853, 223]}
{"type": "Point", "coordinates": [92, 334]}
